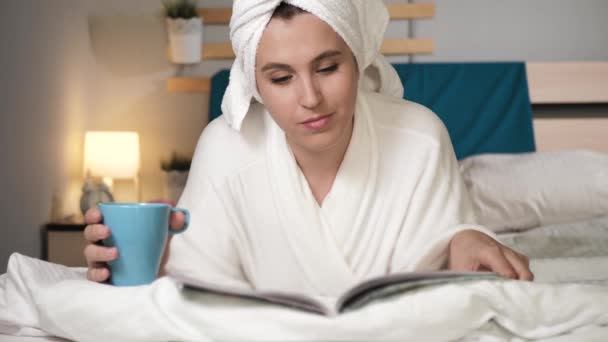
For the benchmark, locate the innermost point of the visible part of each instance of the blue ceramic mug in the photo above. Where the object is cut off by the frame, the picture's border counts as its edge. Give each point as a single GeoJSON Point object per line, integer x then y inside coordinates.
{"type": "Point", "coordinates": [140, 232]}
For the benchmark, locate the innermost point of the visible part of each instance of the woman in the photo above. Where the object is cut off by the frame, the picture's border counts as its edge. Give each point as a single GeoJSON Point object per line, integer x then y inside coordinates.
{"type": "Point", "coordinates": [327, 178]}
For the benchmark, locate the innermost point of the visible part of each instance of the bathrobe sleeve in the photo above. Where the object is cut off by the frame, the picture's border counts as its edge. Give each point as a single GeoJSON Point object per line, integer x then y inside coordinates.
{"type": "Point", "coordinates": [440, 207]}
{"type": "Point", "coordinates": [207, 249]}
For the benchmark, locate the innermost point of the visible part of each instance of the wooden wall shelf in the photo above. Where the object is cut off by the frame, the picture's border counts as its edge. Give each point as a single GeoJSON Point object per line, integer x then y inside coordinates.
{"type": "Point", "coordinates": [411, 11]}
{"type": "Point", "coordinates": [415, 46]}
{"type": "Point", "coordinates": [221, 16]}
{"type": "Point", "coordinates": [390, 47]}
{"type": "Point", "coordinates": [222, 51]}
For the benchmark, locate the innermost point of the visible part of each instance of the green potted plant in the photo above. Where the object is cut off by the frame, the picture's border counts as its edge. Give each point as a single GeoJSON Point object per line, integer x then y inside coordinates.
{"type": "Point", "coordinates": [185, 30]}
{"type": "Point", "coordinates": [175, 170]}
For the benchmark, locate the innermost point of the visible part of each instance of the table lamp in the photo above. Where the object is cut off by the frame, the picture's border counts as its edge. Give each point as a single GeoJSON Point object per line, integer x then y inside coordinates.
{"type": "Point", "coordinates": [109, 156]}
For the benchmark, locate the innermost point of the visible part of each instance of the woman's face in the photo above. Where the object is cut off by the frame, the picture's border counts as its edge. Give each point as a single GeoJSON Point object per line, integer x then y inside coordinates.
{"type": "Point", "coordinates": [307, 78]}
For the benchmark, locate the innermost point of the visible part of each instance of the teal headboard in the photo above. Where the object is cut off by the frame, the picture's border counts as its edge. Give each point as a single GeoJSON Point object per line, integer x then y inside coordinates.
{"type": "Point", "coordinates": [485, 106]}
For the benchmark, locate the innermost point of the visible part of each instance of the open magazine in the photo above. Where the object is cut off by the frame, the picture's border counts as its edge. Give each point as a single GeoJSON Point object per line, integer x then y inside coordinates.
{"type": "Point", "coordinates": [356, 297]}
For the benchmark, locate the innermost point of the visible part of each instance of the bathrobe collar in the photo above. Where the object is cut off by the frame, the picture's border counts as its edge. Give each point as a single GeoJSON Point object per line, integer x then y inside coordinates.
{"type": "Point", "coordinates": [325, 239]}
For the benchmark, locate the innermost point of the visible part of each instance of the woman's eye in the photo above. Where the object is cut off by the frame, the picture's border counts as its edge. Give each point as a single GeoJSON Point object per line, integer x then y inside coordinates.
{"type": "Point", "coordinates": [280, 80]}
{"type": "Point", "coordinates": [329, 69]}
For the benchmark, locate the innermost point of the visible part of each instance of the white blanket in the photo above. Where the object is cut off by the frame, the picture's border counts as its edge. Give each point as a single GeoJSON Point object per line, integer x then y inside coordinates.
{"type": "Point", "coordinates": [57, 300]}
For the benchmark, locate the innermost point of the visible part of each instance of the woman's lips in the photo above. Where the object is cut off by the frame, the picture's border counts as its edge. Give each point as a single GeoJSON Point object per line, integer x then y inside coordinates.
{"type": "Point", "coordinates": [317, 123]}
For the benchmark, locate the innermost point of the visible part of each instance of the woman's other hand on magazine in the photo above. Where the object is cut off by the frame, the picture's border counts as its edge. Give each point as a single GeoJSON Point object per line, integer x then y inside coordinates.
{"type": "Point", "coordinates": [471, 250]}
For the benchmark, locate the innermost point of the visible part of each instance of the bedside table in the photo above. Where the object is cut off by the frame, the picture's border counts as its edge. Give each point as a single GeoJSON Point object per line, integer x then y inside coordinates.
{"type": "Point", "coordinates": [63, 243]}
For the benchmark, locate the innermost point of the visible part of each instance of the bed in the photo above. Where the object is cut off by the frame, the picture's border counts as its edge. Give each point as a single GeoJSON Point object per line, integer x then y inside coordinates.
{"type": "Point", "coordinates": [537, 213]}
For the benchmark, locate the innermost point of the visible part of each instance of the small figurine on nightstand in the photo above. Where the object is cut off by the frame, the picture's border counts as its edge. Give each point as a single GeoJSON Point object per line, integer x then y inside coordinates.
{"type": "Point", "coordinates": [94, 193]}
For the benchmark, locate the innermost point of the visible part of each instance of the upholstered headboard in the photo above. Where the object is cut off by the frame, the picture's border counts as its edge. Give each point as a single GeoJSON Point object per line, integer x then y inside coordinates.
{"type": "Point", "coordinates": [485, 106]}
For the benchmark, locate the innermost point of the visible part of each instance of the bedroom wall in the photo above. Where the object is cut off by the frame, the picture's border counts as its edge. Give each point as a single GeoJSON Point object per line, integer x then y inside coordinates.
{"type": "Point", "coordinates": [74, 65]}
{"type": "Point", "coordinates": [44, 94]}
{"type": "Point", "coordinates": [128, 43]}
{"type": "Point", "coordinates": [539, 30]}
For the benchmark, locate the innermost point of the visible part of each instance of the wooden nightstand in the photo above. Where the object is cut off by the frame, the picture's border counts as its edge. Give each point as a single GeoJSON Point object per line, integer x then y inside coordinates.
{"type": "Point", "coordinates": [63, 243]}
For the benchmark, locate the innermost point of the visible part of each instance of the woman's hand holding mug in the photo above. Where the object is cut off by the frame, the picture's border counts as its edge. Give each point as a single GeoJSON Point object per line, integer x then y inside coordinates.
{"type": "Point", "coordinates": [96, 232]}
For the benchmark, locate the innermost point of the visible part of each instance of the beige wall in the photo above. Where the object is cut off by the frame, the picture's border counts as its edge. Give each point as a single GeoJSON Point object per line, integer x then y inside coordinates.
{"type": "Point", "coordinates": [128, 45]}
{"type": "Point", "coordinates": [45, 87]}
{"type": "Point", "coordinates": [70, 66]}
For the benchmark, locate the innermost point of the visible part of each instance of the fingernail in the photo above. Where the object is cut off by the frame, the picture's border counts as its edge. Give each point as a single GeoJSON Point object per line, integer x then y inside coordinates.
{"type": "Point", "coordinates": [99, 274]}
{"type": "Point", "coordinates": [103, 233]}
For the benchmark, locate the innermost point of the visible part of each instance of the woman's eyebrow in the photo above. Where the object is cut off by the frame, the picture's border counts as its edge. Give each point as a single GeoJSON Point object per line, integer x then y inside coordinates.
{"type": "Point", "coordinates": [320, 57]}
{"type": "Point", "coordinates": [282, 66]}
{"type": "Point", "coordinates": [326, 54]}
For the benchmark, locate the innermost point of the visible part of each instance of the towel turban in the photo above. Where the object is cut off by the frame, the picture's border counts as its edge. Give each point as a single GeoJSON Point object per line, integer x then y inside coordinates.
{"type": "Point", "coordinates": [360, 23]}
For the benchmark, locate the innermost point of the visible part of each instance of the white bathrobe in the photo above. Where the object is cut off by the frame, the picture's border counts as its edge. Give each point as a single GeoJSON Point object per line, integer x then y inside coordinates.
{"type": "Point", "coordinates": [397, 200]}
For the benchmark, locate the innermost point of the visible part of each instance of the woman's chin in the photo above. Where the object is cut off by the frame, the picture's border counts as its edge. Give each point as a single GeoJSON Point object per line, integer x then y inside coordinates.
{"type": "Point", "coordinates": [320, 143]}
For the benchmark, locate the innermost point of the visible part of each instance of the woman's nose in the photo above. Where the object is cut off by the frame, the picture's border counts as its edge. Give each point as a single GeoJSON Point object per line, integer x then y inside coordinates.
{"type": "Point", "coordinates": [310, 96]}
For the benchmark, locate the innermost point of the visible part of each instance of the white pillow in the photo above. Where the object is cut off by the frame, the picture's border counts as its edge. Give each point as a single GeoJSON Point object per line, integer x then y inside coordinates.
{"type": "Point", "coordinates": [521, 191]}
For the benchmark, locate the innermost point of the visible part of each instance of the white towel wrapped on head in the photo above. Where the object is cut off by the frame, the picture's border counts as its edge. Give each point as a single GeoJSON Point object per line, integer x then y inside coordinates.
{"type": "Point", "coordinates": [360, 23]}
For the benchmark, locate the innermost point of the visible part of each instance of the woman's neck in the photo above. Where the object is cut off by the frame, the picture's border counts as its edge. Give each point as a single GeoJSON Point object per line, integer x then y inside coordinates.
{"type": "Point", "coordinates": [321, 167]}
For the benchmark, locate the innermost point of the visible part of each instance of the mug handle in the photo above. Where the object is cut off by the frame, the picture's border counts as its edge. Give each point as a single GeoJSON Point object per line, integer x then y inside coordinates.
{"type": "Point", "coordinates": [186, 221]}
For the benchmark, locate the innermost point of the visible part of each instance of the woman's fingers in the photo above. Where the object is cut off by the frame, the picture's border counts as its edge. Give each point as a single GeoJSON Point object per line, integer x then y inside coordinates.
{"type": "Point", "coordinates": [95, 254]}
{"type": "Point", "coordinates": [520, 263]}
{"type": "Point", "coordinates": [98, 273]}
{"type": "Point", "coordinates": [92, 216]}
{"type": "Point", "coordinates": [96, 232]}
{"type": "Point", "coordinates": [177, 221]}
{"type": "Point", "coordinates": [493, 258]}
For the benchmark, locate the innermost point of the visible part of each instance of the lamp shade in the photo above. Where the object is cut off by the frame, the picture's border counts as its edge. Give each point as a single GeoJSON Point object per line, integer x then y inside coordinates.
{"type": "Point", "coordinates": [111, 154]}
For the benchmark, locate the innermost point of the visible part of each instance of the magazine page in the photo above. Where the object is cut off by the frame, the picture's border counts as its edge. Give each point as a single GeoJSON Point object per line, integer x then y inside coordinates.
{"type": "Point", "coordinates": [385, 286]}
{"type": "Point", "coordinates": [356, 297]}
{"type": "Point", "coordinates": [320, 305]}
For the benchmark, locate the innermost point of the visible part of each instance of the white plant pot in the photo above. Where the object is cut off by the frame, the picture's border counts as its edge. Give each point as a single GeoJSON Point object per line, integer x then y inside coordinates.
{"type": "Point", "coordinates": [173, 184]}
{"type": "Point", "coordinates": [185, 40]}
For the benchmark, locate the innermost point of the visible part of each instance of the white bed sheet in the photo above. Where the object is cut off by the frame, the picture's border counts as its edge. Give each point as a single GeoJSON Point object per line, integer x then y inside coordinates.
{"type": "Point", "coordinates": [565, 253]}
{"type": "Point", "coordinates": [572, 252]}
{"type": "Point", "coordinates": [9, 338]}
{"type": "Point", "coordinates": [489, 332]}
